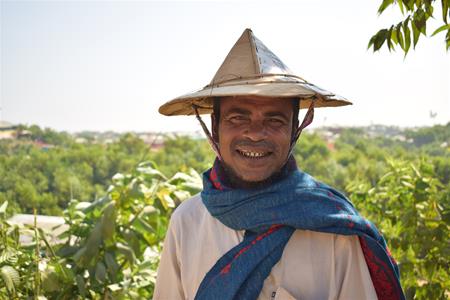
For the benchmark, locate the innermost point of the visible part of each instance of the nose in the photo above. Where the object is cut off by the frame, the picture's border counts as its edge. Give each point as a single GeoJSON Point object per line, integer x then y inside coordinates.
{"type": "Point", "coordinates": [255, 131]}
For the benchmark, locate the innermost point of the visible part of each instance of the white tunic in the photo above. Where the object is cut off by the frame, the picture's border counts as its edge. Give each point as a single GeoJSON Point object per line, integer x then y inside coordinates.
{"type": "Point", "coordinates": [313, 265]}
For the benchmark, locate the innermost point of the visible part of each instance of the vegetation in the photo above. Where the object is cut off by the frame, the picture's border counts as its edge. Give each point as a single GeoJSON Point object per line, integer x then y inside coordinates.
{"type": "Point", "coordinates": [111, 249]}
{"type": "Point", "coordinates": [397, 178]}
{"type": "Point", "coordinates": [417, 13]}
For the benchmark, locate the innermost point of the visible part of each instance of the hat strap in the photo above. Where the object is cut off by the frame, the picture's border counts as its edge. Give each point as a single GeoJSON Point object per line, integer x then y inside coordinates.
{"type": "Point", "coordinates": [213, 144]}
{"type": "Point", "coordinates": [309, 117]}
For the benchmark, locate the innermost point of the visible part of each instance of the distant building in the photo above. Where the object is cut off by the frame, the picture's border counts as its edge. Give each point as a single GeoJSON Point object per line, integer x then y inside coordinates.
{"type": "Point", "coordinates": [7, 126]}
{"type": "Point", "coordinates": [7, 130]}
{"type": "Point", "coordinates": [154, 140]}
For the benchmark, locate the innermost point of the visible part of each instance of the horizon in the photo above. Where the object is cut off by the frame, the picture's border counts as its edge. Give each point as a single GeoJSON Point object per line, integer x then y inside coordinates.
{"type": "Point", "coordinates": [200, 131]}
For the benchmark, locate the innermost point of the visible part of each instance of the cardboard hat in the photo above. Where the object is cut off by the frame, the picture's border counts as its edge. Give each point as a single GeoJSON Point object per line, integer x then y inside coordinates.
{"type": "Point", "coordinates": [251, 69]}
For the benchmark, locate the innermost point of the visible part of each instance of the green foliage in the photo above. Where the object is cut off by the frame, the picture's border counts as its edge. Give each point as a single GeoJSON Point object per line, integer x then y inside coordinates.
{"type": "Point", "coordinates": [111, 249]}
{"type": "Point", "coordinates": [417, 13]}
{"type": "Point", "coordinates": [15, 262]}
{"type": "Point", "coordinates": [412, 208]}
{"type": "Point", "coordinates": [181, 153]}
{"type": "Point", "coordinates": [48, 176]}
{"type": "Point", "coordinates": [116, 240]}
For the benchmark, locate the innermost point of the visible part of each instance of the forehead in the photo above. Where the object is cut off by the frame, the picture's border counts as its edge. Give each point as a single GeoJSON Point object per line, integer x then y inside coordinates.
{"type": "Point", "coordinates": [255, 105]}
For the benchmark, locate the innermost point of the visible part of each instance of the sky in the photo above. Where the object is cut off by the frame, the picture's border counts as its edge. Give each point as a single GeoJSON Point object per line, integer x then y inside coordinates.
{"type": "Point", "coordinates": [109, 65]}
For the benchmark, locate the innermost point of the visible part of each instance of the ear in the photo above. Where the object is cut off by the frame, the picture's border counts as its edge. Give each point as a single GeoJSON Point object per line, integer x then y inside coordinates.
{"type": "Point", "coordinates": [215, 128]}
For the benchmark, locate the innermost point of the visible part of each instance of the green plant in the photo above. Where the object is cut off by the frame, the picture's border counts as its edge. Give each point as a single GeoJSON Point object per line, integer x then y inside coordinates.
{"type": "Point", "coordinates": [16, 282]}
{"type": "Point", "coordinates": [412, 209]}
{"type": "Point", "coordinates": [112, 245]}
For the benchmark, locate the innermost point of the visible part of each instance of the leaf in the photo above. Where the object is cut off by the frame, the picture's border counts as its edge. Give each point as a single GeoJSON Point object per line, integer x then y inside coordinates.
{"type": "Point", "coordinates": [371, 41]}
{"type": "Point", "coordinates": [407, 36]}
{"type": "Point", "coordinates": [151, 172]}
{"type": "Point", "coordinates": [389, 40]}
{"type": "Point", "coordinates": [447, 39]}
{"type": "Point", "coordinates": [420, 21]}
{"type": "Point", "coordinates": [409, 4]}
{"type": "Point", "coordinates": [82, 205]}
{"type": "Point", "coordinates": [108, 222]}
{"type": "Point", "coordinates": [401, 41]}
{"type": "Point", "coordinates": [142, 226]}
{"type": "Point", "coordinates": [165, 199]}
{"type": "Point", "coordinates": [3, 207]}
{"type": "Point", "coordinates": [67, 250]}
{"type": "Point", "coordinates": [50, 280]}
{"type": "Point", "coordinates": [132, 240]}
{"type": "Point", "coordinates": [81, 285]}
{"type": "Point", "coordinates": [181, 195]}
{"type": "Point", "coordinates": [80, 257]}
{"type": "Point", "coordinates": [149, 210]}
{"type": "Point", "coordinates": [147, 264]}
{"type": "Point", "coordinates": [100, 272]}
{"type": "Point", "coordinates": [11, 278]}
{"type": "Point", "coordinates": [394, 37]}
{"type": "Point", "coordinates": [147, 164]}
{"type": "Point", "coordinates": [118, 179]}
{"type": "Point", "coordinates": [445, 11]}
{"type": "Point", "coordinates": [111, 264]}
{"type": "Point", "coordinates": [114, 287]}
{"type": "Point", "coordinates": [384, 5]}
{"type": "Point", "coordinates": [9, 256]}
{"type": "Point", "coordinates": [127, 252]}
{"type": "Point", "coordinates": [93, 242]}
{"type": "Point", "coordinates": [416, 171]}
{"type": "Point", "coordinates": [428, 10]}
{"type": "Point", "coordinates": [180, 178]}
{"type": "Point", "coordinates": [400, 4]}
{"type": "Point", "coordinates": [407, 184]}
{"type": "Point", "coordinates": [416, 34]}
{"type": "Point", "coordinates": [442, 28]}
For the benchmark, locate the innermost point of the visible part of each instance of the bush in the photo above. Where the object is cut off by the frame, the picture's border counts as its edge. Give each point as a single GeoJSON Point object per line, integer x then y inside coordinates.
{"type": "Point", "coordinates": [111, 249]}
{"type": "Point", "coordinates": [412, 208]}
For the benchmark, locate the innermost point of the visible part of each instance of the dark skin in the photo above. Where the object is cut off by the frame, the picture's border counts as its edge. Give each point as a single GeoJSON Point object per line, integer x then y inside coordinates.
{"type": "Point", "coordinates": [254, 137]}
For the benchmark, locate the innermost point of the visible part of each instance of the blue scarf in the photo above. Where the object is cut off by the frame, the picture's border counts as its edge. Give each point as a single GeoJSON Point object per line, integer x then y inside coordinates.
{"type": "Point", "coordinates": [269, 217]}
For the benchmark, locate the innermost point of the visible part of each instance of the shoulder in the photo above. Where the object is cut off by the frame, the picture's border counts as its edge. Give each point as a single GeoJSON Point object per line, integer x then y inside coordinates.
{"type": "Point", "coordinates": [190, 208]}
{"type": "Point", "coordinates": [192, 218]}
{"type": "Point", "coordinates": [190, 215]}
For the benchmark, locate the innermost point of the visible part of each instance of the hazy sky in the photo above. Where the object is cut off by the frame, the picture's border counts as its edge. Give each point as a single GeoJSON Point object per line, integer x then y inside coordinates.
{"type": "Point", "coordinates": [108, 65]}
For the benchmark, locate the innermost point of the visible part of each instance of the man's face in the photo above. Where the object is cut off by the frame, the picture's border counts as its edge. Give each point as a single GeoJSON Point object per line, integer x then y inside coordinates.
{"type": "Point", "coordinates": [254, 135]}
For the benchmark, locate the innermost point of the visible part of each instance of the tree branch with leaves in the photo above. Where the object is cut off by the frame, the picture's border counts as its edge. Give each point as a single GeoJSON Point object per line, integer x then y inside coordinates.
{"type": "Point", "coordinates": [417, 13]}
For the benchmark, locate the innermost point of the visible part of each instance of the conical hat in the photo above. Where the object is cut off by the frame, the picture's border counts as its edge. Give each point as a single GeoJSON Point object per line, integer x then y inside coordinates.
{"type": "Point", "coordinates": [251, 69]}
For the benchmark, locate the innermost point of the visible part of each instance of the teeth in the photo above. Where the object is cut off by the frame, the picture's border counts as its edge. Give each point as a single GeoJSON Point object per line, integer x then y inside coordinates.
{"type": "Point", "coordinates": [252, 154]}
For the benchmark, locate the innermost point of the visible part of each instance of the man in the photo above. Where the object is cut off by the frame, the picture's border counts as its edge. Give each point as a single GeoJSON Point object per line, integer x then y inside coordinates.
{"type": "Point", "coordinates": [262, 229]}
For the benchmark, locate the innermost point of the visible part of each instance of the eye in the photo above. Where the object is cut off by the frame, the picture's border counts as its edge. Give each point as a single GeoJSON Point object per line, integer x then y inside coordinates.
{"type": "Point", "coordinates": [237, 119]}
{"type": "Point", "coordinates": [276, 122]}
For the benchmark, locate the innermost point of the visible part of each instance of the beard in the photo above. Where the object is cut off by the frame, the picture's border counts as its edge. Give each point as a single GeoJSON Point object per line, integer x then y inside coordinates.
{"type": "Point", "coordinates": [233, 180]}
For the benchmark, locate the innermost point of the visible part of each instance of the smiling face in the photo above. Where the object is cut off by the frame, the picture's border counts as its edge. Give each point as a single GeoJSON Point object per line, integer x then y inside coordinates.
{"type": "Point", "coordinates": [254, 136]}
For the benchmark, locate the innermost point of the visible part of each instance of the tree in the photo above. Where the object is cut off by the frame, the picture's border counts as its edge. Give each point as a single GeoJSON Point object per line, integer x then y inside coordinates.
{"type": "Point", "coordinates": [417, 13]}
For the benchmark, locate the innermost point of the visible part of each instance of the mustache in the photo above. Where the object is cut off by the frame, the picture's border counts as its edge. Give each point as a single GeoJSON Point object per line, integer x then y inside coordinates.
{"type": "Point", "coordinates": [260, 144]}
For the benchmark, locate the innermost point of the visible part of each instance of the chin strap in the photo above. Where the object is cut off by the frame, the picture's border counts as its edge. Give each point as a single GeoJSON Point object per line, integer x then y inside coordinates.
{"type": "Point", "coordinates": [213, 144]}
{"type": "Point", "coordinates": [309, 117]}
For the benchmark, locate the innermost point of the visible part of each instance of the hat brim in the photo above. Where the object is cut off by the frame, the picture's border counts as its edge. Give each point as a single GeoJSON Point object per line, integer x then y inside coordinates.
{"type": "Point", "coordinates": [203, 99]}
